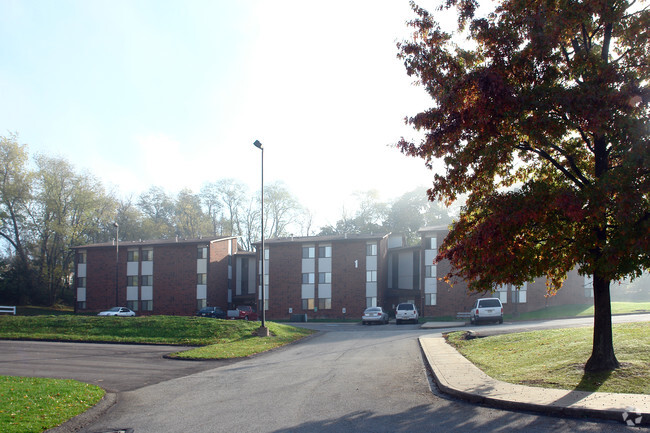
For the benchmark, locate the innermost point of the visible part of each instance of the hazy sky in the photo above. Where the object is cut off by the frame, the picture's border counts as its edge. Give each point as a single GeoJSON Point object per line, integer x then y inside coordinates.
{"type": "Point", "coordinates": [173, 93]}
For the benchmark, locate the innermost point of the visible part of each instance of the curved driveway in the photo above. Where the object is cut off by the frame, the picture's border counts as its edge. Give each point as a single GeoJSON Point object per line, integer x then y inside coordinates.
{"type": "Point", "coordinates": [114, 367]}
{"type": "Point", "coordinates": [347, 379]}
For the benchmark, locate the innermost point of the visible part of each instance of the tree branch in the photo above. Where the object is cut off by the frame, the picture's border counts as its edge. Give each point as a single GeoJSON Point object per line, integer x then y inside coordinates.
{"type": "Point", "coordinates": [545, 155]}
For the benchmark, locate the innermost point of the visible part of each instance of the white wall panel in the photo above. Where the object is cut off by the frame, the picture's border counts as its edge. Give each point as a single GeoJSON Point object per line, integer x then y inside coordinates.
{"type": "Point", "coordinates": [201, 291]}
{"type": "Point", "coordinates": [147, 293]}
{"type": "Point", "coordinates": [307, 291]}
{"type": "Point", "coordinates": [252, 275]}
{"type": "Point", "coordinates": [132, 268]}
{"type": "Point", "coordinates": [325, 265]}
{"type": "Point", "coordinates": [81, 294]}
{"type": "Point", "coordinates": [147, 268]}
{"type": "Point", "coordinates": [430, 285]}
{"type": "Point", "coordinates": [308, 265]}
{"type": "Point", "coordinates": [324, 290]}
{"type": "Point", "coordinates": [429, 256]}
{"type": "Point", "coordinates": [81, 270]}
{"type": "Point", "coordinates": [371, 290]}
{"type": "Point", "coordinates": [405, 271]}
{"type": "Point", "coordinates": [132, 293]}
{"type": "Point", "coordinates": [371, 263]}
{"type": "Point", "coordinates": [201, 266]}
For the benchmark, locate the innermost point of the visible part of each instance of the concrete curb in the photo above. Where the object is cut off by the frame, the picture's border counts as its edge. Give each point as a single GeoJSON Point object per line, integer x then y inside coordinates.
{"type": "Point", "coordinates": [88, 417]}
{"type": "Point", "coordinates": [458, 377]}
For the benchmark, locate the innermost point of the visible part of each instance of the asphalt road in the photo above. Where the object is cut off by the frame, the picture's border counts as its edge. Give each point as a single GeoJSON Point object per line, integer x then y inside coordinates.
{"type": "Point", "coordinates": [347, 379]}
{"type": "Point", "coordinates": [114, 367]}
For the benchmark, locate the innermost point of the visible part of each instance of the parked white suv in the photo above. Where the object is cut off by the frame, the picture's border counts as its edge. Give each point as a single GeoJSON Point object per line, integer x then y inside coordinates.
{"type": "Point", "coordinates": [487, 310]}
{"type": "Point", "coordinates": [406, 312]}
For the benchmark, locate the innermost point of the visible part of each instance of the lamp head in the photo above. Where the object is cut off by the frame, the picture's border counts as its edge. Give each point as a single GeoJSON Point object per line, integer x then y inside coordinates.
{"type": "Point", "coordinates": [115, 225]}
{"type": "Point", "coordinates": [258, 144]}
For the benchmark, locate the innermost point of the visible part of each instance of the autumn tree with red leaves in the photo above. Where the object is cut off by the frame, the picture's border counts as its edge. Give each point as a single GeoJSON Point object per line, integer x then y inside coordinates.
{"type": "Point", "coordinates": [541, 116]}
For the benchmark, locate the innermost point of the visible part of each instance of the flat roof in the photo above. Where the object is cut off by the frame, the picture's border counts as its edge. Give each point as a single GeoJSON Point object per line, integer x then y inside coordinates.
{"type": "Point", "coordinates": [327, 238]}
{"type": "Point", "coordinates": [434, 229]}
{"type": "Point", "coordinates": [157, 242]}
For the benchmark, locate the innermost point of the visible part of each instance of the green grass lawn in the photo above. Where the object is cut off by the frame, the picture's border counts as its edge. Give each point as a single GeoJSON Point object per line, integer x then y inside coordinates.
{"type": "Point", "coordinates": [219, 338]}
{"type": "Point", "coordinates": [580, 311]}
{"type": "Point", "coordinates": [29, 404]}
{"type": "Point", "coordinates": [556, 358]}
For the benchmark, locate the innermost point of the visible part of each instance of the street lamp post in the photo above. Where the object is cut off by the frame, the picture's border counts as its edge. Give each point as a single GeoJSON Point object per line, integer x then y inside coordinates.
{"type": "Point", "coordinates": [263, 329]}
{"type": "Point", "coordinates": [117, 256]}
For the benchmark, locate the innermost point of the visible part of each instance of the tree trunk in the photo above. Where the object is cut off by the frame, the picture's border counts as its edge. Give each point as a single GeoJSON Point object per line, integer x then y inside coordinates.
{"type": "Point", "coordinates": [602, 355]}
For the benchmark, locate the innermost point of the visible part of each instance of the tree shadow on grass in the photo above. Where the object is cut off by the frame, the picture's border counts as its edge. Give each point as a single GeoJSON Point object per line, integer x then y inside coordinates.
{"type": "Point", "coordinates": [591, 382]}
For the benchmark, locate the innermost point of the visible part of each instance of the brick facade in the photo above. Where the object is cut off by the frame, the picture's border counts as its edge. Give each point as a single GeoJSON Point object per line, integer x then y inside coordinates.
{"type": "Point", "coordinates": [174, 285]}
{"type": "Point", "coordinates": [453, 298]}
{"type": "Point", "coordinates": [348, 275]}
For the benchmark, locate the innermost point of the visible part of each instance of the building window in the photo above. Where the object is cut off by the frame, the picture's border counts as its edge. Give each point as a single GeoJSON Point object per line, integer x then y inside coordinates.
{"type": "Point", "coordinates": [147, 255]}
{"type": "Point", "coordinates": [430, 271]}
{"type": "Point", "coordinates": [371, 276]}
{"type": "Point", "coordinates": [502, 293]}
{"type": "Point", "coordinates": [266, 253]}
{"type": "Point", "coordinates": [201, 278]}
{"type": "Point", "coordinates": [431, 243]}
{"type": "Point", "coordinates": [81, 305]}
{"type": "Point", "coordinates": [308, 278]}
{"type": "Point", "coordinates": [519, 295]}
{"type": "Point", "coordinates": [371, 302]}
{"type": "Point", "coordinates": [202, 253]}
{"type": "Point", "coordinates": [132, 280]}
{"type": "Point", "coordinates": [147, 280]}
{"type": "Point", "coordinates": [371, 249]}
{"type": "Point", "coordinates": [430, 299]}
{"type": "Point", "coordinates": [201, 303]}
{"type": "Point", "coordinates": [324, 303]}
{"type": "Point", "coordinates": [324, 278]}
{"type": "Point", "coordinates": [81, 257]}
{"type": "Point", "coordinates": [308, 304]}
{"type": "Point", "coordinates": [146, 305]}
{"type": "Point", "coordinates": [81, 282]}
{"type": "Point", "coordinates": [308, 252]}
{"type": "Point", "coordinates": [589, 286]}
{"type": "Point", "coordinates": [133, 305]}
{"type": "Point", "coordinates": [132, 256]}
{"type": "Point", "coordinates": [325, 252]}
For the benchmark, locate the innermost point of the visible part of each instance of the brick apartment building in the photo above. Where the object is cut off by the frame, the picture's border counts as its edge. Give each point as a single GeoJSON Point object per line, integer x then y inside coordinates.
{"type": "Point", "coordinates": [413, 277]}
{"type": "Point", "coordinates": [326, 276]}
{"type": "Point", "coordinates": [173, 277]}
{"type": "Point", "coordinates": [321, 276]}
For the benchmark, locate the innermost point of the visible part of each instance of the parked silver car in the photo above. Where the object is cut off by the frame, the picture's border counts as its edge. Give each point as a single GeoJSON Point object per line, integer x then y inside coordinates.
{"type": "Point", "coordinates": [118, 311]}
{"type": "Point", "coordinates": [406, 312]}
{"type": "Point", "coordinates": [487, 310]}
{"type": "Point", "coordinates": [374, 315]}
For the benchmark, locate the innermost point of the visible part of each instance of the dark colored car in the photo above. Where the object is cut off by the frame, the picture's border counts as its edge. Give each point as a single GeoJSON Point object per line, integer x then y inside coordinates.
{"type": "Point", "coordinates": [215, 312]}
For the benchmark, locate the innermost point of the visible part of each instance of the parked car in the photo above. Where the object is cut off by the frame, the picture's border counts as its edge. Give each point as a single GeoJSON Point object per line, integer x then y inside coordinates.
{"type": "Point", "coordinates": [118, 311]}
{"type": "Point", "coordinates": [215, 312]}
{"type": "Point", "coordinates": [487, 310]}
{"type": "Point", "coordinates": [406, 311]}
{"type": "Point", "coordinates": [374, 315]}
{"type": "Point", "coordinates": [244, 312]}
